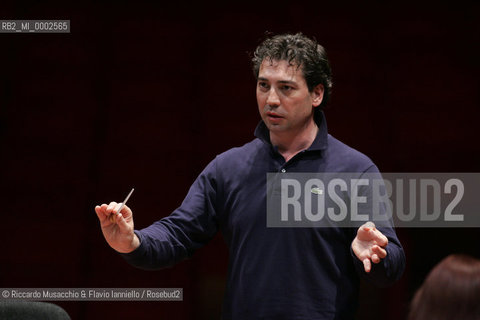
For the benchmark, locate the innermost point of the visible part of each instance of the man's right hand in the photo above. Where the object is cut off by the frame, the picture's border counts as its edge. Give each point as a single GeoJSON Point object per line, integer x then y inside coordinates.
{"type": "Point", "coordinates": [119, 234]}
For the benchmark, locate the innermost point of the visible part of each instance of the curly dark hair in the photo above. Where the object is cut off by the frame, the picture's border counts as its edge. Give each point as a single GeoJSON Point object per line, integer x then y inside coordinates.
{"type": "Point", "coordinates": [299, 51]}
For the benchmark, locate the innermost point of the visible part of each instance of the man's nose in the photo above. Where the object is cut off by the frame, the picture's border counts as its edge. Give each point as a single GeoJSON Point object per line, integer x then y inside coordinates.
{"type": "Point", "coordinates": [273, 99]}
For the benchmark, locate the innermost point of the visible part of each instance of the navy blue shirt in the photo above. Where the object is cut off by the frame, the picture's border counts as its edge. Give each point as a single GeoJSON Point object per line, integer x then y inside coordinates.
{"type": "Point", "coordinates": [273, 273]}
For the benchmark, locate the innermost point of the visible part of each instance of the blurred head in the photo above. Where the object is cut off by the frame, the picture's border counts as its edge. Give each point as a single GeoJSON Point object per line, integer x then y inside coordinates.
{"type": "Point", "coordinates": [302, 53]}
{"type": "Point", "coordinates": [450, 291]}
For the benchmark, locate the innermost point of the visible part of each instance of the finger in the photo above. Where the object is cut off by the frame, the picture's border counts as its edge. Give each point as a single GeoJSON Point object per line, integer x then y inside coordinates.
{"type": "Point", "coordinates": [111, 210]}
{"type": "Point", "coordinates": [363, 231]}
{"type": "Point", "coordinates": [98, 210]}
{"type": "Point", "coordinates": [369, 225]}
{"type": "Point", "coordinates": [379, 251]}
{"type": "Point", "coordinates": [379, 238]}
{"type": "Point", "coordinates": [121, 222]}
{"type": "Point", "coordinates": [367, 265]}
{"type": "Point", "coordinates": [111, 207]}
{"type": "Point", "coordinates": [117, 208]}
{"type": "Point", "coordinates": [102, 208]}
{"type": "Point", "coordinates": [115, 212]}
{"type": "Point", "coordinates": [126, 211]}
{"type": "Point", "coordinates": [375, 258]}
{"type": "Point", "coordinates": [100, 213]}
{"type": "Point", "coordinates": [113, 217]}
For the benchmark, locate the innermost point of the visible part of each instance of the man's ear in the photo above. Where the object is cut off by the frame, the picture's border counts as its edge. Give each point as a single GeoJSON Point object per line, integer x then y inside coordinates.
{"type": "Point", "coordinates": [317, 95]}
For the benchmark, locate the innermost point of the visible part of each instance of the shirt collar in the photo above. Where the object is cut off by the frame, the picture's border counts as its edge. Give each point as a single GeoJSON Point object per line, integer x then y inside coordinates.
{"type": "Point", "coordinates": [320, 142]}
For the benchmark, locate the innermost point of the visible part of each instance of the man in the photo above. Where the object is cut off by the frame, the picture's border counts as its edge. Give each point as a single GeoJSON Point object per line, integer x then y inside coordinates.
{"type": "Point", "coordinates": [274, 273]}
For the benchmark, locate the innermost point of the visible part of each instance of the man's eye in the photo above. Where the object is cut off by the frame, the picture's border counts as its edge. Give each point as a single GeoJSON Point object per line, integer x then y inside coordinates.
{"type": "Point", "coordinates": [263, 85]}
{"type": "Point", "coordinates": [287, 88]}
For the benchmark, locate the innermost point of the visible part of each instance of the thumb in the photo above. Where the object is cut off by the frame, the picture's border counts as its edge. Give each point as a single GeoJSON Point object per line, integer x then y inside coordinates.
{"type": "Point", "coordinates": [122, 223]}
{"type": "Point", "coordinates": [369, 226]}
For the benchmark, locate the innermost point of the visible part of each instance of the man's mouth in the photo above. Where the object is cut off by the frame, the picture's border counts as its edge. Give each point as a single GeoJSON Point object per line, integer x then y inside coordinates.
{"type": "Point", "coordinates": [273, 115]}
{"type": "Point", "coordinates": [274, 118]}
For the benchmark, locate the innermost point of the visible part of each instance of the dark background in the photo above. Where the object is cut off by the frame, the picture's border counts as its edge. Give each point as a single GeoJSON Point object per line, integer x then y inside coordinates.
{"type": "Point", "coordinates": [145, 95]}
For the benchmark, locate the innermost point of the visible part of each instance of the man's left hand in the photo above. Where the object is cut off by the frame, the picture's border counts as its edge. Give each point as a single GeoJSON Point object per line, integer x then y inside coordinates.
{"type": "Point", "coordinates": [369, 245]}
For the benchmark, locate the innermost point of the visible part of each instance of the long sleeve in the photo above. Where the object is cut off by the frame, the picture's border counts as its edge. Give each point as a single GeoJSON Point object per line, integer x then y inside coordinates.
{"type": "Point", "coordinates": [391, 268]}
{"type": "Point", "coordinates": [188, 228]}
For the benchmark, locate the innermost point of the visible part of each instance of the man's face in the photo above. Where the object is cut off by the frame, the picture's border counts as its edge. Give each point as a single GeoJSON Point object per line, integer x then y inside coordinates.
{"type": "Point", "coordinates": [284, 102]}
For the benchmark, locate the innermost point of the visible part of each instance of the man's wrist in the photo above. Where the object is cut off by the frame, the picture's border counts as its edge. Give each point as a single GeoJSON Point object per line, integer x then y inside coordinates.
{"type": "Point", "coordinates": [134, 244]}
